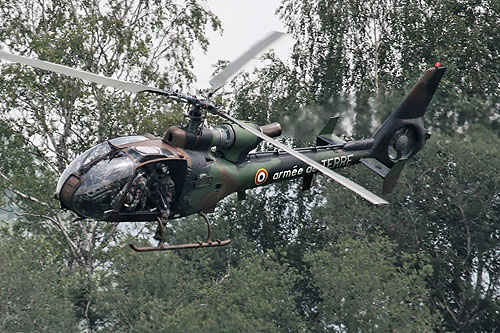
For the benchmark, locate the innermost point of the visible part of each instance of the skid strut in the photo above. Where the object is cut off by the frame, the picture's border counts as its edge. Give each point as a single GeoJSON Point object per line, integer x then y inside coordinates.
{"type": "Point", "coordinates": [162, 247]}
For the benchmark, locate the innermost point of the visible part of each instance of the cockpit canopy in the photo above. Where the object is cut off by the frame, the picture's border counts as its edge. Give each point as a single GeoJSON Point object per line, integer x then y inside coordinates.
{"type": "Point", "coordinates": [101, 184]}
{"type": "Point", "coordinates": [93, 153]}
{"type": "Point", "coordinates": [99, 181]}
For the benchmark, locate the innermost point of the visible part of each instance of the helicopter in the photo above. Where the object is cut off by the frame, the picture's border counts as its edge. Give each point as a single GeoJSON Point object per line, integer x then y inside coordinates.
{"type": "Point", "coordinates": [192, 167]}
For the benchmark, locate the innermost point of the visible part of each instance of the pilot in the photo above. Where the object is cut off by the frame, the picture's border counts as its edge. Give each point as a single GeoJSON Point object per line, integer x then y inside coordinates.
{"type": "Point", "coordinates": [164, 186]}
{"type": "Point", "coordinates": [137, 195]}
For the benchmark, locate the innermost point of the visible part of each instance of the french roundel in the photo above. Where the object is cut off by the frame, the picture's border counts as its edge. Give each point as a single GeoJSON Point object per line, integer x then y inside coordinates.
{"type": "Point", "coordinates": [261, 176]}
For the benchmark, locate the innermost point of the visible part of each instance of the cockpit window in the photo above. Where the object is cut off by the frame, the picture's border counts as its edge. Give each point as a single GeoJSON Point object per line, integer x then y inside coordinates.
{"type": "Point", "coordinates": [95, 153]}
{"type": "Point", "coordinates": [102, 182]}
{"type": "Point", "coordinates": [134, 154]}
{"type": "Point", "coordinates": [108, 182]}
{"type": "Point", "coordinates": [87, 156]}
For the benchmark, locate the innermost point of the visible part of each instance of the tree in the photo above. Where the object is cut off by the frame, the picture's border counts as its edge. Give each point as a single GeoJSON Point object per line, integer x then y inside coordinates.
{"type": "Point", "coordinates": [458, 226]}
{"type": "Point", "coordinates": [360, 59]}
{"type": "Point", "coordinates": [445, 207]}
{"type": "Point", "coordinates": [380, 47]}
{"type": "Point", "coordinates": [33, 290]}
{"type": "Point", "coordinates": [165, 292]}
{"type": "Point", "coordinates": [366, 285]}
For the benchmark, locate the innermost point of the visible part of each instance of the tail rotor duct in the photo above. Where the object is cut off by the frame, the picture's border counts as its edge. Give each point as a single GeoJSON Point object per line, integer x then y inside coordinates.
{"type": "Point", "coordinates": [403, 143]}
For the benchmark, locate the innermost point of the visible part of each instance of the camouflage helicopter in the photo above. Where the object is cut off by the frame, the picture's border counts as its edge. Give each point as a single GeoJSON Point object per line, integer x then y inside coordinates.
{"type": "Point", "coordinates": [192, 167]}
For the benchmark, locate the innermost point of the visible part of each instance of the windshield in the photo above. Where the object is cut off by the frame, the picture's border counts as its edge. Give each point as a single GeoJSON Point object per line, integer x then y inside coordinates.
{"type": "Point", "coordinates": [81, 160]}
{"type": "Point", "coordinates": [101, 184]}
{"type": "Point", "coordinates": [94, 153]}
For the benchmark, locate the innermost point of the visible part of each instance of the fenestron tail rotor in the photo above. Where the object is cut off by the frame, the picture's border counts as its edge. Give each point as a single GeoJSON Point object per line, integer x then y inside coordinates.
{"type": "Point", "coordinates": [402, 143]}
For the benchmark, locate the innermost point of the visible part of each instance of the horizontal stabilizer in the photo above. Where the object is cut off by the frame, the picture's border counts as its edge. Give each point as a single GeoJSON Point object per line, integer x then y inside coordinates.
{"type": "Point", "coordinates": [375, 166]}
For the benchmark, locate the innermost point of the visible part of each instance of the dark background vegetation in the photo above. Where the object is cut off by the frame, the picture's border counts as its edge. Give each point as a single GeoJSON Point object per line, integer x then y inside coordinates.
{"type": "Point", "coordinates": [323, 260]}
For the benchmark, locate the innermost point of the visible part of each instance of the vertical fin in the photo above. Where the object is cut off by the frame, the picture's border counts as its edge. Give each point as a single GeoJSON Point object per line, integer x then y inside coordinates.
{"type": "Point", "coordinates": [326, 136]}
{"type": "Point", "coordinates": [330, 126]}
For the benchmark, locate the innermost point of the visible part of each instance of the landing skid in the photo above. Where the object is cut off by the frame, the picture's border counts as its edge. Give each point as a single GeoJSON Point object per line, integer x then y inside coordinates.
{"type": "Point", "coordinates": [162, 247]}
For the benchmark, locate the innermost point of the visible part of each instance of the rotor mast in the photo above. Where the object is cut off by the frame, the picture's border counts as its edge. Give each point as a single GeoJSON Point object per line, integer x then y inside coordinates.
{"type": "Point", "coordinates": [195, 119]}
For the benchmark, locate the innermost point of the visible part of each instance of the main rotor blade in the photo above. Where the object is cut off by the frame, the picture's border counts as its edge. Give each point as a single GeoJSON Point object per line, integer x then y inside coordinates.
{"type": "Point", "coordinates": [79, 74]}
{"type": "Point", "coordinates": [360, 190]}
{"type": "Point", "coordinates": [234, 67]}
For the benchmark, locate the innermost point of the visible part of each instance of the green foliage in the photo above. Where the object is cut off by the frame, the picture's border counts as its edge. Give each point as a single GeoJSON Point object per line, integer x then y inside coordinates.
{"type": "Point", "coordinates": [266, 216]}
{"type": "Point", "coordinates": [446, 206]}
{"type": "Point", "coordinates": [255, 296]}
{"type": "Point", "coordinates": [122, 40]}
{"type": "Point", "coordinates": [142, 291]}
{"type": "Point", "coordinates": [47, 120]}
{"type": "Point", "coordinates": [367, 286]}
{"type": "Point", "coordinates": [359, 60]}
{"type": "Point", "coordinates": [164, 292]}
{"type": "Point", "coordinates": [458, 225]}
{"type": "Point", "coordinates": [380, 47]}
{"type": "Point", "coordinates": [32, 289]}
